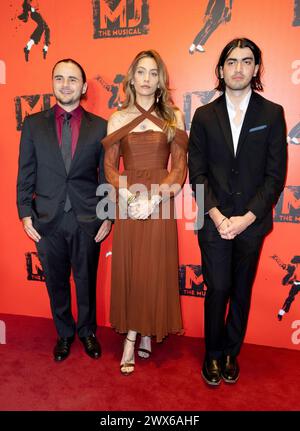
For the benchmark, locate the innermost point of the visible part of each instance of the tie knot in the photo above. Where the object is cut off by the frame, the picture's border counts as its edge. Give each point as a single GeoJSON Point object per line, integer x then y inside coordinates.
{"type": "Point", "coordinates": [67, 116]}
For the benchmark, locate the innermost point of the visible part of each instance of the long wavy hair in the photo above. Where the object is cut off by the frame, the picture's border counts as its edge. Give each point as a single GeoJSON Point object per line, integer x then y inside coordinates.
{"type": "Point", "coordinates": [164, 106]}
{"type": "Point", "coordinates": [242, 42]}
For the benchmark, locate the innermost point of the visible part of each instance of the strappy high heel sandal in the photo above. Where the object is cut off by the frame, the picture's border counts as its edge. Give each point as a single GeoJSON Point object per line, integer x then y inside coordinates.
{"type": "Point", "coordinates": [127, 368]}
{"type": "Point", "coordinates": [144, 353]}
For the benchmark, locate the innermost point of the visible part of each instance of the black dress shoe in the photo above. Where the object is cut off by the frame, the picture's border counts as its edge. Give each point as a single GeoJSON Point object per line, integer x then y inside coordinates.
{"type": "Point", "coordinates": [62, 348]}
{"type": "Point", "coordinates": [230, 369]}
{"type": "Point", "coordinates": [211, 372]}
{"type": "Point", "coordinates": [91, 346]}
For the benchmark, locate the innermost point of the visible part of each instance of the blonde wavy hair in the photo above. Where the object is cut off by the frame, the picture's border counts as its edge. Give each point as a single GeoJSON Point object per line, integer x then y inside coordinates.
{"type": "Point", "coordinates": [164, 106]}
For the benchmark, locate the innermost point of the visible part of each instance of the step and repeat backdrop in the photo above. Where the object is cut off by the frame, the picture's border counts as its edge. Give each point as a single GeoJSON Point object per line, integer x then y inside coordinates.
{"type": "Point", "coordinates": [104, 36]}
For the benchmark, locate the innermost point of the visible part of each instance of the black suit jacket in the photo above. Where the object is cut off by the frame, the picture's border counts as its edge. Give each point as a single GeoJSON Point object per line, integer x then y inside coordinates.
{"type": "Point", "coordinates": [250, 180]}
{"type": "Point", "coordinates": [43, 183]}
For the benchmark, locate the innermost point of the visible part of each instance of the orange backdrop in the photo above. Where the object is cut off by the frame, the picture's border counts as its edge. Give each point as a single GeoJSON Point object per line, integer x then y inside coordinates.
{"type": "Point", "coordinates": [104, 36]}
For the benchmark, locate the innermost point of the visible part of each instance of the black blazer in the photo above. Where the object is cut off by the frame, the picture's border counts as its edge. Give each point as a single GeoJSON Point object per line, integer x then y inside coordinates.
{"type": "Point", "coordinates": [43, 183]}
{"type": "Point", "coordinates": [250, 180]}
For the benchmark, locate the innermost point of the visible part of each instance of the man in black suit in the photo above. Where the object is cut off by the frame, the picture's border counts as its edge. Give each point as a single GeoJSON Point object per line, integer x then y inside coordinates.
{"type": "Point", "coordinates": [238, 152]}
{"type": "Point", "coordinates": [60, 168]}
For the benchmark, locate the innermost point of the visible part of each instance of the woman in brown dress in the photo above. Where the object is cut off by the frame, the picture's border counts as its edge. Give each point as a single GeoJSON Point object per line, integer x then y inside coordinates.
{"type": "Point", "coordinates": [144, 286]}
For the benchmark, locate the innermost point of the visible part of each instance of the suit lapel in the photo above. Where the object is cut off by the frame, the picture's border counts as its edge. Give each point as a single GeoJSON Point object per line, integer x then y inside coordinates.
{"type": "Point", "coordinates": [249, 120]}
{"type": "Point", "coordinates": [222, 114]}
{"type": "Point", "coordinates": [82, 138]}
{"type": "Point", "coordinates": [52, 140]}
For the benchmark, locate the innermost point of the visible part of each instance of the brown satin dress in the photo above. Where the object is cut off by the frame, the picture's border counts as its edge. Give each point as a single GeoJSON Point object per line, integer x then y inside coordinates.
{"type": "Point", "coordinates": [144, 283]}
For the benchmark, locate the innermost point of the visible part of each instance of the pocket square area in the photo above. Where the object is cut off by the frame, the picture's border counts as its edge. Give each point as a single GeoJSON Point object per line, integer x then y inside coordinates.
{"type": "Point", "coordinates": [255, 129]}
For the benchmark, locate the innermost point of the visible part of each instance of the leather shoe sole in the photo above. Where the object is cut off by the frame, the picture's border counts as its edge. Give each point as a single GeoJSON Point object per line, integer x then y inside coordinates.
{"type": "Point", "coordinates": [210, 382]}
{"type": "Point", "coordinates": [230, 380]}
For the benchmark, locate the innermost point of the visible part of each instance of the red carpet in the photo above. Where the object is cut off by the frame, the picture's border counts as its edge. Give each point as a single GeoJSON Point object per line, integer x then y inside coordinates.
{"type": "Point", "coordinates": [170, 380]}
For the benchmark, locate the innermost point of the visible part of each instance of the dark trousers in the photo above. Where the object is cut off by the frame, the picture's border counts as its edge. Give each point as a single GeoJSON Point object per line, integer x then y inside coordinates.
{"type": "Point", "coordinates": [216, 17]}
{"type": "Point", "coordinates": [295, 289]}
{"type": "Point", "coordinates": [229, 268]}
{"type": "Point", "coordinates": [41, 28]}
{"type": "Point", "coordinates": [296, 21]}
{"type": "Point", "coordinates": [70, 248]}
{"type": "Point", "coordinates": [209, 27]}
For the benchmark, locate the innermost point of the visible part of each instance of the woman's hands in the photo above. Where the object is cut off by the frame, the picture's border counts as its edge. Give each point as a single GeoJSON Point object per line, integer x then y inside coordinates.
{"type": "Point", "coordinates": [142, 207]}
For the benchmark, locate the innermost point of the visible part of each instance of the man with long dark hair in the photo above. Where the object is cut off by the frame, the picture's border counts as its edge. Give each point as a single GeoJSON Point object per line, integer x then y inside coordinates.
{"type": "Point", "coordinates": [238, 152]}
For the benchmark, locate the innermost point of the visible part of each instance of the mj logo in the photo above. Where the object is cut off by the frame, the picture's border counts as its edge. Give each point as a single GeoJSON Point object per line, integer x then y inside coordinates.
{"type": "Point", "coordinates": [26, 105]}
{"type": "Point", "coordinates": [191, 281]}
{"type": "Point", "coordinates": [191, 102]}
{"type": "Point", "coordinates": [288, 206]}
{"type": "Point", "coordinates": [114, 88]}
{"type": "Point", "coordinates": [120, 18]}
{"type": "Point", "coordinates": [34, 268]}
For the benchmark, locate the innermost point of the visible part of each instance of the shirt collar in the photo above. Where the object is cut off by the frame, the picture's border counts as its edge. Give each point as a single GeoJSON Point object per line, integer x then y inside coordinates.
{"type": "Point", "coordinates": [244, 103]}
{"type": "Point", "coordinates": [59, 111]}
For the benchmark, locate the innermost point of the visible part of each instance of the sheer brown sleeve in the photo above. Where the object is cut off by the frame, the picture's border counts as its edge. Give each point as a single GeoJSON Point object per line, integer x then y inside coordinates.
{"type": "Point", "coordinates": [111, 144]}
{"type": "Point", "coordinates": [177, 175]}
